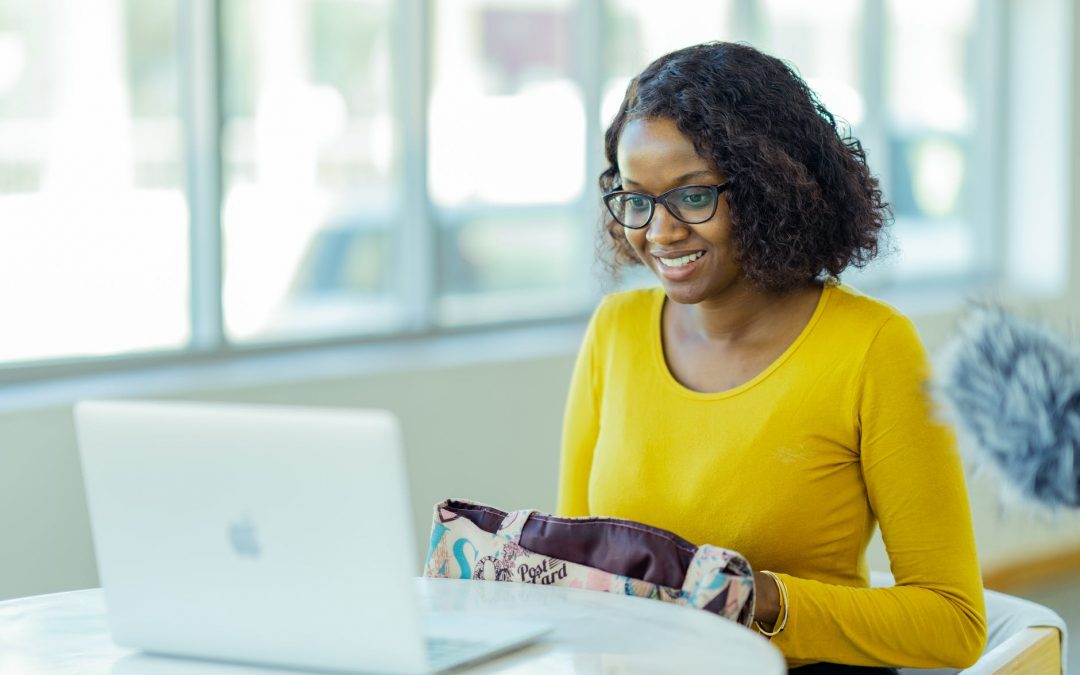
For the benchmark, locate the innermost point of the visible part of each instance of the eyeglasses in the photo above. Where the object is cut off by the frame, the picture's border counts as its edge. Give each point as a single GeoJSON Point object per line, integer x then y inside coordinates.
{"type": "Point", "coordinates": [692, 204]}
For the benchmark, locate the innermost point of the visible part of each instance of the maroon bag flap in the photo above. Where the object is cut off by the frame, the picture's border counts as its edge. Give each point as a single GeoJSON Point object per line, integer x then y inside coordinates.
{"type": "Point", "coordinates": [618, 546]}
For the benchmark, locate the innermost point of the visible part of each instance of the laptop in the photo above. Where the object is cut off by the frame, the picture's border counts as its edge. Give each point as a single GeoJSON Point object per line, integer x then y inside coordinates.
{"type": "Point", "coordinates": [265, 535]}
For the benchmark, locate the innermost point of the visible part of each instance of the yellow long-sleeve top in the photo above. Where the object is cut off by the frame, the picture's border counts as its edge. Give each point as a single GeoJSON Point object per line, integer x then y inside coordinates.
{"type": "Point", "coordinates": [793, 469]}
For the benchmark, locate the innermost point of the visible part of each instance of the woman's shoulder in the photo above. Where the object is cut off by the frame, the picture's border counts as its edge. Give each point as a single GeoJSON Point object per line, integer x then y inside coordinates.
{"type": "Point", "coordinates": [867, 319]}
{"type": "Point", "coordinates": [629, 305]}
{"type": "Point", "coordinates": [624, 313]}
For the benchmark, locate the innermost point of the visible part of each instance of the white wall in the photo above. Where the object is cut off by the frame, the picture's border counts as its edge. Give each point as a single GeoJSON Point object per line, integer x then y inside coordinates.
{"type": "Point", "coordinates": [489, 432]}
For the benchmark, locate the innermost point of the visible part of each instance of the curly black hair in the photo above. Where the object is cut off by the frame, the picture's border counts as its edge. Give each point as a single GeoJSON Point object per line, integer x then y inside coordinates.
{"type": "Point", "coordinates": [802, 200]}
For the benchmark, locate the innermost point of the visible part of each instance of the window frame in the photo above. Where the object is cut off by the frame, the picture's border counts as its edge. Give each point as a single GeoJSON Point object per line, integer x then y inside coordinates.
{"type": "Point", "coordinates": [415, 283]}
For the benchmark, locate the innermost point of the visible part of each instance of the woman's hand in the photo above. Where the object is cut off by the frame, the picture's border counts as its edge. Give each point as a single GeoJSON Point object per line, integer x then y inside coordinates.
{"type": "Point", "coordinates": [767, 602]}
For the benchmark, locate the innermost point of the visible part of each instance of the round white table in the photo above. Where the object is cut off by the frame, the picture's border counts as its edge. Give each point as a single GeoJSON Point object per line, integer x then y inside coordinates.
{"type": "Point", "coordinates": [594, 633]}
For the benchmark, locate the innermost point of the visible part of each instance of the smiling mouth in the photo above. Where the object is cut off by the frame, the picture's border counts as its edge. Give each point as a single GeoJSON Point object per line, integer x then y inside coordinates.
{"type": "Point", "coordinates": [681, 261]}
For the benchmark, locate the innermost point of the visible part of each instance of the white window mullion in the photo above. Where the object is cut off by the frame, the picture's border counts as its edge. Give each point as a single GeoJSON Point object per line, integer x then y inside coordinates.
{"type": "Point", "coordinates": [414, 235]}
{"type": "Point", "coordinates": [590, 44]}
{"type": "Point", "coordinates": [747, 20]}
{"type": "Point", "coordinates": [987, 198]}
{"type": "Point", "coordinates": [201, 83]}
{"type": "Point", "coordinates": [874, 134]}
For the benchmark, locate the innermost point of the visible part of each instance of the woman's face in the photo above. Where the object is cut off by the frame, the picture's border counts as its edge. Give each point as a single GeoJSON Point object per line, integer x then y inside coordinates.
{"type": "Point", "coordinates": [693, 262]}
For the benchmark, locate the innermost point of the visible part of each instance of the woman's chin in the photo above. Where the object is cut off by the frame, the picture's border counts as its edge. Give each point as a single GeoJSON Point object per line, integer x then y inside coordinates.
{"type": "Point", "coordinates": [684, 294]}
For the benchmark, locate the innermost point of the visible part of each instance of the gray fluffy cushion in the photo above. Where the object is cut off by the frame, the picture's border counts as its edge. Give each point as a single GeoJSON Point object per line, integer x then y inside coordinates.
{"type": "Point", "coordinates": [1012, 388]}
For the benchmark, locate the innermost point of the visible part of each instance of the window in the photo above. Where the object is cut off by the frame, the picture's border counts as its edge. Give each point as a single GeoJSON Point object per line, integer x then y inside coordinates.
{"type": "Point", "coordinates": [310, 169]}
{"type": "Point", "coordinates": [506, 167]}
{"type": "Point", "coordinates": [931, 120]}
{"type": "Point", "coordinates": [93, 215]}
{"type": "Point", "coordinates": [375, 168]}
{"type": "Point", "coordinates": [638, 31]}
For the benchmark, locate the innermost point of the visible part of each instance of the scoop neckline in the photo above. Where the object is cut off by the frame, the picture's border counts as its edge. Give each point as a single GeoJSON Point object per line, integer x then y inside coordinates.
{"type": "Point", "coordinates": [656, 318]}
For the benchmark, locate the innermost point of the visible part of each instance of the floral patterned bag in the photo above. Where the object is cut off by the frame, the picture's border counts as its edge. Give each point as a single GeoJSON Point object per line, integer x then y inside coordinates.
{"type": "Point", "coordinates": [474, 541]}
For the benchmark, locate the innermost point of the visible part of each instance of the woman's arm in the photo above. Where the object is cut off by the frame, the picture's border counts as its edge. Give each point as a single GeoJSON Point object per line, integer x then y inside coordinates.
{"type": "Point", "coordinates": [935, 615]}
{"type": "Point", "coordinates": [581, 424]}
{"type": "Point", "coordinates": [766, 600]}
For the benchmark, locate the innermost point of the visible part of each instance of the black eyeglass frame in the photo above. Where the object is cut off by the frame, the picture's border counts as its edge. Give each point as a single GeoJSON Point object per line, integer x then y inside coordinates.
{"type": "Point", "coordinates": [717, 189]}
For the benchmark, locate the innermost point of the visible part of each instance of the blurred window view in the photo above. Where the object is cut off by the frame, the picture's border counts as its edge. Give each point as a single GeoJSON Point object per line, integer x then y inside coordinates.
{"type": "Point", "coordinates": [823, 42]}
{"type": "Point", "coordinates": [374, 185]}
{"type": "Point", "coordinates": [638, 31]}
{"type": "Point", "coordinates": [931, 121]}
{"type": "Point", "coordinates": [93, 214]}
{"type": "Point", "coordinates": [506, 161]}
{"type": "Point", "coordinates": [310, 158]}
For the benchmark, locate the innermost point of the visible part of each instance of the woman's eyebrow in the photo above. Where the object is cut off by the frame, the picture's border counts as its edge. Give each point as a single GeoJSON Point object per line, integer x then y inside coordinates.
{"type": "Point", "coordinates": [680, 179]}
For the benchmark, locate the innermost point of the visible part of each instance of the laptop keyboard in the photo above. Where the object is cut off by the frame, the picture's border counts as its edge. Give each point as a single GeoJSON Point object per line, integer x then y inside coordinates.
{"type": "Point", "coordinates": [445, 650]}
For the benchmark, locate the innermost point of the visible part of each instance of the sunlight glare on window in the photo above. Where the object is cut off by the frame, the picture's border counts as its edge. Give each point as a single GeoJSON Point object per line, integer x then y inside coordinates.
{"type": "Point", "coordinates": [93, 216]}
{"type": "Point", "coordinates": [309, 166]}
{"type": "Point", "coordinates": [506, 161]}
{"type": "Point", "coordinates": [930, 114]}
{"type": "Point", "coordinates": [506, 118]}
{"type": "Point", "coordinates": [640, 31]}
{"type": "Point", "coordinates": [820, 40]}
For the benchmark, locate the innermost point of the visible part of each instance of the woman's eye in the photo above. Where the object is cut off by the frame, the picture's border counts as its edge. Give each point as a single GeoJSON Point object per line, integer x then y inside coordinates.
{"type": "Point", "coordinates": [697, 198]}
{"type": "Point", "coordinates": [637, 203]}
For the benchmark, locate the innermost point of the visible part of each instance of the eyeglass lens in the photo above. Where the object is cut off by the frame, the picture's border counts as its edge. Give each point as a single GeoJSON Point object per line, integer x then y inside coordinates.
{"type": "Point", "coordinates": [692, 204]}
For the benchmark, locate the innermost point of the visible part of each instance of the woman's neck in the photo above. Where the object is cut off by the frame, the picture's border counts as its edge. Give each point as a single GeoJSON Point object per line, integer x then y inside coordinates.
{"type": "Point", "coordinates": [746, 316]}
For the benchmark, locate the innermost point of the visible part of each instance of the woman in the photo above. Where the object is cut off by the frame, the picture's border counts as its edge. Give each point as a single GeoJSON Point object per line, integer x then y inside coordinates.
{"type": "Point", "coordinates": [754, 402]}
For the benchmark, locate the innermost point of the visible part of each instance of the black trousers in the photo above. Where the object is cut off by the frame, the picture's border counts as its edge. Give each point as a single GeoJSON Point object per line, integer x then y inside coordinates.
{"type": "Point", "coordinates": [837, 669]}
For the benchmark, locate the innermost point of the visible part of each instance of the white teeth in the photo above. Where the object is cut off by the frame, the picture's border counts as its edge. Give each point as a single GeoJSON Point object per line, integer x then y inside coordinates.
{"type": "Point", "coordinates": [679, 262]}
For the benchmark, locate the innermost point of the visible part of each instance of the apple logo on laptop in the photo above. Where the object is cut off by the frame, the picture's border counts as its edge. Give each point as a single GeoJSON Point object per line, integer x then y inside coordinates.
{"type": "Point", "coordinates": [242, 538]}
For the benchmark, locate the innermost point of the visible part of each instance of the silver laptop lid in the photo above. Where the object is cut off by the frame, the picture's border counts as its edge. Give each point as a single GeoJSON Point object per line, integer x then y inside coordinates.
{"type": "Point", "coordinates": [254, 533]}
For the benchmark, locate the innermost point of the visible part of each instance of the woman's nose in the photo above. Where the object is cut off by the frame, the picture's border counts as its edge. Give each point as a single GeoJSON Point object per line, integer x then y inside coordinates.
{"type": "Point", "coordinates": [665, 228]}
